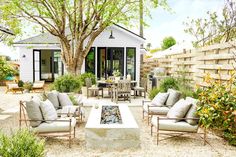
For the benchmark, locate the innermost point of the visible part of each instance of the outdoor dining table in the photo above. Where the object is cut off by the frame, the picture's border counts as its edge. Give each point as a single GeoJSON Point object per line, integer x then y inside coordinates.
{"type": "Point", "coordinates": [108, 83]}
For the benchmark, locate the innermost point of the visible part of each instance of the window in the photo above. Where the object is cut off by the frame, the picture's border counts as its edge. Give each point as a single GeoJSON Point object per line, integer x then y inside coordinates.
{"type": "Point", "coordinates": [90, 61]}
{"type": "Point", "coordinates": [131, 62]}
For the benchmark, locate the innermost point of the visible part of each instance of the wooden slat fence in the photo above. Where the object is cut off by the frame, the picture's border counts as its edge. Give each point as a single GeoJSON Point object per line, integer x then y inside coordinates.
{"type": "Point", "coordinates": [196, 63]}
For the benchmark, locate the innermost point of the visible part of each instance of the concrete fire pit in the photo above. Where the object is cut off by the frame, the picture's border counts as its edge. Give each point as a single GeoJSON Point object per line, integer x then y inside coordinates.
{"type": "Point", "coordinates": [118, 135]}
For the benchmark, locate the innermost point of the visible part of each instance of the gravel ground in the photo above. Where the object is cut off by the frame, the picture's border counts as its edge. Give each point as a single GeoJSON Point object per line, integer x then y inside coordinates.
{"type": "Point", "coordinates": [187, 145]}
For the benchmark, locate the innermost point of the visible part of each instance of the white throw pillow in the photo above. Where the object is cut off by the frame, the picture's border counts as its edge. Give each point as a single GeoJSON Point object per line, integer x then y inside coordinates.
{"type": "Point", "coordinates": [192, 111]}
{"type": "Point", "coordinates": [179, 109]}
{"type": "Point", "coordinates": [160, 99]}
{"type": "Point", "coordinates": [53, 97]}
{"type": "Point", "coordinates": [64, 100]}
{"type": "Point", "coordinates": [48, 111]}
{"type": "Point", "coordinates": [173, 97]}
{"type": "Point", "coordinates": [34, 112]}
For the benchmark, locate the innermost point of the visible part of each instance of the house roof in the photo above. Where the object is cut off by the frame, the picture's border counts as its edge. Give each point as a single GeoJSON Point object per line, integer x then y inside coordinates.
{"type": "Point", "coordinates": [47, 38]}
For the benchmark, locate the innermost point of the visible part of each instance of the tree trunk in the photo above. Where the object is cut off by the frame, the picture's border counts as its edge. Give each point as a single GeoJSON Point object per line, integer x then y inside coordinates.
{"type": "Point", "coordinates": [72, 65]}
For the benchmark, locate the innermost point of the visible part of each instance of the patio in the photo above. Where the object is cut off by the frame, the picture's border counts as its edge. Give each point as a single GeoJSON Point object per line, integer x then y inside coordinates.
{"type": "Point", "coordinates": [182, 146]}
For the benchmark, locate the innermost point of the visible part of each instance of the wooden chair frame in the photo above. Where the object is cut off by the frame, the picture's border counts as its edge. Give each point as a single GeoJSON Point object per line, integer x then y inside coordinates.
{"type": "Point", "coordinates": [121, 90]}
{"type": "Point", "coordinates": [14, 90]}
{"type": "Point", "coordinates": [23, 118]}
{"type": "Point", "coordinates": [176, 132]}
{"type": "Point", "coordinates": [149, 112]}
{"type": "Point", "coordinates": [143, 84]}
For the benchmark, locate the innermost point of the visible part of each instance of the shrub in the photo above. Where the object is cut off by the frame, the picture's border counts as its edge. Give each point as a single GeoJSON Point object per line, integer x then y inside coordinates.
{"type": "Point", "coordinates": [217, 107]}
{"type": "Point", "coordinates": [167, 83]}
{"type": "Point", "coordinates": [73, 100]}
{"type": "Point", "coordinates": [5, 70]}
{"type": "Point", "coordinates": [83, 76]}
{"type": "Point", "coordinates": [67, 83]}
{"type": "Point", "coordinates": [22, 143]}
{"type": "Point", "coordinates": [20, 83]}
{"type": "Point", "coordinates": [153, 93]}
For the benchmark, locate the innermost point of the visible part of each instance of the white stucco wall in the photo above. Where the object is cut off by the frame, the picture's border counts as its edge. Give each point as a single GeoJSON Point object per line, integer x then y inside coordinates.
{"type": "Point", "coordinates": [122, 39]}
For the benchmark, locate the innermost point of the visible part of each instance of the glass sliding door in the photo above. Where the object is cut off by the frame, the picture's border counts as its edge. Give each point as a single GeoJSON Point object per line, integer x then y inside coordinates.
{"type": "Point", "coordinates": [46, 65]}
{"type": "Point", "coordinates": [101, 63]}
{"type": "Point", "coordinates": [115, 60]}
{"type": "Point", "coordinates": [109, 60]}
{"type": "Point", "coordinates": [131, 62]}
{"type": "Point", "coordinates": [90, 61]}
{"type": "Point", "coordinates": [57, 64]}
{"type": "Point", "coordinates": [51, 65]}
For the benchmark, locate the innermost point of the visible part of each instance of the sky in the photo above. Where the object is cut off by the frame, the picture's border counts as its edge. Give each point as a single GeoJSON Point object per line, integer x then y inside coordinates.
{"type": "Point", "coordinates": [162, 23]}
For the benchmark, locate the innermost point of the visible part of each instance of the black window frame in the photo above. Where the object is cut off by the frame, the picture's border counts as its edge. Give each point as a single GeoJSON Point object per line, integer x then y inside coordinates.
{"type": "Point", "coordinates": [135, 60]}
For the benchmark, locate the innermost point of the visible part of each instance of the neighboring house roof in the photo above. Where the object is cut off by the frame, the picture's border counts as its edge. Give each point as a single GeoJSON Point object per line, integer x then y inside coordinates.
{"type": "Point", "coordinates": [175, 49]}
{"type": "Point", "coordinates": [47, 38]}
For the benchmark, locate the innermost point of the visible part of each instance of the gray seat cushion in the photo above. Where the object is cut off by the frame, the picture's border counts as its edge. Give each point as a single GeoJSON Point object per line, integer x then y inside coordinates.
{"type": "Point", "coordinates": [163, 110]}
{"type": "Point", "coordinates": [53, 97]}
{"type": "Point", "coordinates": [34, 112]}
{"type": "Point", "coordinates": [169, 125]}
{"type": "Point", "coordinates": [64, 100]}
{"type": "Point", "coordinates": [160, 99]}
{"type": "Point", "coordinates": [173, 97]}
{"type": "Point", "coordinates": [56, 126]}
{"type": "Point", "coordinates": [192, 111]}
{"type": "Point", "coordinates": [179, 109]}
{"type": "Point", "coordinates": [48, 111]}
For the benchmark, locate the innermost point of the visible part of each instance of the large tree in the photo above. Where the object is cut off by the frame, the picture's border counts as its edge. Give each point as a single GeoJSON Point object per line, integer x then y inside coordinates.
{"type": "Point", "coordinates": [167, 42]}
{"type": "Point", "coordinates": [76, 23]}
{"type": "Point", "coordinates": [215, 28]}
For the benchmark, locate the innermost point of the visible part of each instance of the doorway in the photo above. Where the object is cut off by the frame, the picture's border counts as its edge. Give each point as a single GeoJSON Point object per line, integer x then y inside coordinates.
{"type": "Point", "coordinates": [47, 65]}
{"type": "Point", "coordinates": [109, 60]}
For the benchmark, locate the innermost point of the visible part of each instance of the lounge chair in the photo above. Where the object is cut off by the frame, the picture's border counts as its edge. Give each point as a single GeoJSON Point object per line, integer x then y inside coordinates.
{"type": "Point", "coordinates": [42, 119]}
{"type": "Point", "coordinates": [161, 103]}
{"type": "Point", "coordinates": [180, 119]}
{"type": "Point", "coordinates": [38, 86]}
{"type": "Point", "coordinates": [13, 87]}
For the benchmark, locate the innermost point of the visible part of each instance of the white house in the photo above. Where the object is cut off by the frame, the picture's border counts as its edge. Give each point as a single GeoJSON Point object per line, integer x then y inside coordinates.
{"type": "Point", "coordinates": [116, 48]}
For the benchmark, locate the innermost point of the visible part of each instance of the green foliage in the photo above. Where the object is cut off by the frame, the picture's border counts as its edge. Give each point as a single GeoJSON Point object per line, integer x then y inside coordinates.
{"type": "Point", "coordinates": [167, 83]}
{"type": "Point", "coordinates": [168, 42]}
{"type": "Point", "coordinates": [21, 144]}
{"type": "Point", "coordinates": [83, 76]}
{"type": "Point", "coordinates": [67, 83]}
{"type": "Point", "coordinates": [20, 83]}
{"type": "Point", "coordinates": [116, 73]}
{"type": "Point", "coordinates": [153, 93]}
{"type": "Point", "coordinates": [5, 70]}
{"type": "Point", "coordinates": [155, 50]}
{"type": "Point", "coordinates": [28, 86]}
{"type": "Point", "coordinates": [215, 28]}
{"type": "Point", "coordinates": [73, 99]}
{"type": "Point", "coordinates": [184, 84]}
{"type": "Point", "coordinates": [217, 107]}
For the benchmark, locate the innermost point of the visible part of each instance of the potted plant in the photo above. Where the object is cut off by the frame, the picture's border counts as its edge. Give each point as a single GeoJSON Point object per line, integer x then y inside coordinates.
{"type": "Point", "coordinates": [27, 87]}
{"type": "Point", "coordinates": [117, 74]}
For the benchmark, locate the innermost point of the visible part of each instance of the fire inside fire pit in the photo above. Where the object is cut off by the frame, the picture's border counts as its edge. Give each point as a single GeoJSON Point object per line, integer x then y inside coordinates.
{"type": "Point", "coordinates": [111, 115]}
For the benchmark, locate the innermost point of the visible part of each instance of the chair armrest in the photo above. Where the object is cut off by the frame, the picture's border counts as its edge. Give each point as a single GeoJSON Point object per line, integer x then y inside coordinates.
{"type": "Point", "coordinates": [145, 101]}
{"type": "Point", "coordinates": [56, 120]}
{"type": "Point", "coordinates": [68, 114]}
{"type": "Point", "coordinates": [166, 118]}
